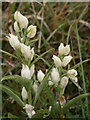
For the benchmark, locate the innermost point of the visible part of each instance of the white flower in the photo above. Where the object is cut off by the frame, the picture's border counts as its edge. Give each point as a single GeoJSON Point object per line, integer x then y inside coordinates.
{"type": "Point", "coordinates": [55, 75]}
{"type": "Point", "coordinates": [63, 50]}
{"type": "Point", "coordinates": [66, 60]}
{"type": "Point", "coordinates": [40, 75]}
{"type": "Point", "coordinates": [35, 87]}
{"type": "Point", "coordinates": [64, 82]}
{"type": "Point", "coordinates": [31, 31]}
{"type": "Point", "coordinates": [24, 94]}
{"type": "Point", "coordinates": [14, 42]}
{"type": "Point", "coordinates": [22, 20]}
{"type": "Point", "coordinates": [26, 72]}
{"type": "Point", "coordinates": [16, 27]}
{"type": "Point", "coordinates": [27, 52]}
{"type": "Point", "coordinates": [72, 74]}
{"type": "Point", "coordinates": [50, 83]}
{"type": "Point", "coordinates": [29, 110]}
{"type": "Point", "coordinates": [57, 61]}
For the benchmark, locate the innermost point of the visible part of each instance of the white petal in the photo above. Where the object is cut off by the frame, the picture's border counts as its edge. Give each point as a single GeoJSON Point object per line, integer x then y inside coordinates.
{"type": "Point", "coordinates": [40, 75]}
{"type": "Point", "coordinates": [31, 31]}
{"type": "Point", "coordinates": [66, 60]}
{"type": "Point", "coordinates": [24, 94]}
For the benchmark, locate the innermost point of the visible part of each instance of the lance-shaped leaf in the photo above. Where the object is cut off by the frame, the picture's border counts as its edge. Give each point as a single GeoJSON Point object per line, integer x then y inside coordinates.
{"type": "Point", "coordinates": [8, 91]}
{"type": "Point", "coordinates": [73, 101]}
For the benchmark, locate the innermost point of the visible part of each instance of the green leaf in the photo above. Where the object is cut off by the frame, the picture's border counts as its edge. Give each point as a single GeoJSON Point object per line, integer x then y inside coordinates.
{"type": "Point", "coordinates": [7, 53]}
{"type": "Point", "coordinates": [12, 94]}
{"type": "Point", "coordinates": [42, 85]}
{"type": "Point", "coordinates": [73, 101]}
{"type": "Point", "coordinates": [39, 57]}
{"type": "Point", "coordinates": [51, 35]}
{"type": "Point", "coordinates": [11, 116]}
{"type": "Point", "coordinates": [18, 79]}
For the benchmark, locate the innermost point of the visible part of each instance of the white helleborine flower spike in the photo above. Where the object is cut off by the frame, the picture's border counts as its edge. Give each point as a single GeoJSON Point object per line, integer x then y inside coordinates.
{"type": "Point", "coordinates": [55, 75]}
{"type": "Point", "coordinates": [40, 75]}
{"type": "Point", "coordinates": [31, 31]}
{"type": "Point", "coordinates": [29, 110]}
{"type": "Point", "coordinates": [63, 50]}
{"type": "Point", "coordinates": [16, 27]}
{"type": "Point", "coordinates": [24, 94]}
{"type": "Point", "coordinates": [57, 61]}
{"type": "Point", "coordinates": [27, 52]}
{"type": "Point", "coordinates": [25, 72]}
{"type": "Point", "coordinates": [64, 82]}
{"type": "Point", "coordinates": [72, 74]}
{"type": "Point", "coordinates": [22, 20]}
{"type": "Point", "coordinates": [66, 60]}
{"type": "Point", "coordinates": [14, 42]}
{"type": "Point", "coordinates": [35, 87]}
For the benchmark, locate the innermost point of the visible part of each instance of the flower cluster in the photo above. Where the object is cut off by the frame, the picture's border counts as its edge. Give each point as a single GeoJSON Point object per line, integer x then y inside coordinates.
{"type": "Point", "coordinates": [60, 73]}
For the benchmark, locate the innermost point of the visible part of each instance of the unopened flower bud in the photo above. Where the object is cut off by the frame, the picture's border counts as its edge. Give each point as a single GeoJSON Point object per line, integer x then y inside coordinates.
{"type": "Point", "coordinates": [40, 75]}
{"type": "Point", "coordinates": [55, 75]}
{"type": "Point", "coordinates": [31, 31]}
{"type": "Point", "coordinates": [22, 20]}
{"type": "Point", "coordinates": [64, 82]}
{"type": "Point", "coordinates": [16, 27]}
{"type": "Point", "coordinates": [24, 94]}
{"type": "Point", "coordinates": [35, 87]}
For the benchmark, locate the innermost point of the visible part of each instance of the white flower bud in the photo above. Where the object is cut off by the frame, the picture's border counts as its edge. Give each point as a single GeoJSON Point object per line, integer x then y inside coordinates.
{"type": "Point", "coordinates": [63, 50]}
{"type": "Point", "coordinates": [16, 27]}
{"type": "Point", "coordinates": [27, 52]}
{"type": "Point", "coordinates": [35, 87]}
{"type": "Point", "coordinates": [64, 82]}
{"type": "Point", "coordinates": [25, 72]}
{"type": "Point", "coordinates": [14, 42]}
{"type": "Point", "coordinates": [22, 20]}
{"type": "Point", "coordinates": [24, 94]}
{"type": "Point", "coordinates": [55, 75]}
{"type": "Point", "coordinates": [31, 31]}
{"type": "Point", "coordinates": [50, 83]}
{"type": "Point", "coordinates": [57, 61]}
{"type": "Point", "coordinates": [29, 110]}
{"type": "Point", "coordinates": [40, 75]}
{"type": "Point", "coordinates": [66, 60]}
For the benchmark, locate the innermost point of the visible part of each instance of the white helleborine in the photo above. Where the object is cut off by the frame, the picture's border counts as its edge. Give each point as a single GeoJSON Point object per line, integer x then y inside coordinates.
{"type": "Point", "coordinates": [50, 83]}
{"type": "Point", "coordinates": [57, 61]}
{"type": "Point", "coordinates": [24, 94]}
{"type": "Point", "coordinates": [72, 74]}
{"type": "Point", "coordinates": [55, 75]}
{"type": "Point", "coordinates": [16, 27]}
{"type": "Point", "coordinates": [26, 72]}
{"type": "Point", "coordinates": [66, 60]}
{"type": "Point", "coordinates": [40, 75]}
{"type": "Point", "coordinates": [22, 20]}
{"type": "Point", "coordinates": [29, 110]}
{"type": "Point", "coordinates": [63, 50]}
{"type": "Point", "coordinates": [27, 52]}
{"type": "Point", "coordinates": [64, 82]}
{"type": "Point", "coordinates": [31, 31]}
{"type": "Point", "coordinates": [14, 42]}
{"type": "Point", "coordinates": [35, 87]}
